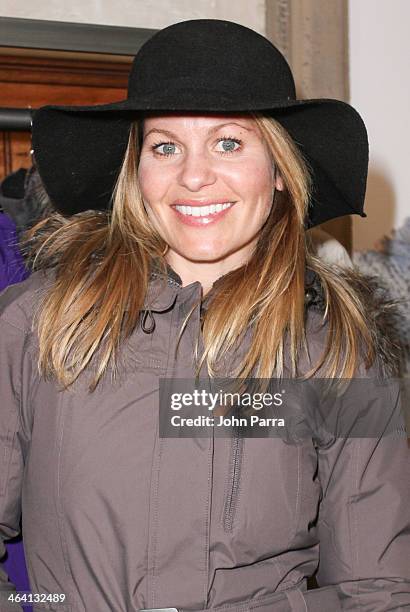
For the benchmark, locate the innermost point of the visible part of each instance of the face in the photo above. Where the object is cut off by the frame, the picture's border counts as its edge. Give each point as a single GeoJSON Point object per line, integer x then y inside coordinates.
{"type": "Point", "coordinates": [207, 183]}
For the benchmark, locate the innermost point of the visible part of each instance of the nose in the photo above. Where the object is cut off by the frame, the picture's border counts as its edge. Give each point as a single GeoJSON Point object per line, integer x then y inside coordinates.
{"type": "Point", "coordinates": [197, 171]}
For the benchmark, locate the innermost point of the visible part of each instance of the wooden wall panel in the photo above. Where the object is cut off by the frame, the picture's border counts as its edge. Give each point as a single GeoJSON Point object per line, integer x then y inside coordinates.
{"type": "Point", "coordinates": [30, 81]}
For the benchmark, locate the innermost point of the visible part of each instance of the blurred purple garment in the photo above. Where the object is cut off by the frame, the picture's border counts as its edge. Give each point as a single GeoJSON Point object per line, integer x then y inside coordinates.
{"type": "Point", "coordinates": [12, 268]}
{"type": "Point", "coordinates": [15, 567]}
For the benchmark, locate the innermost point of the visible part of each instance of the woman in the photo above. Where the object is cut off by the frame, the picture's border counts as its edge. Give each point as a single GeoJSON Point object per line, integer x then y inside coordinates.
{"type": "Point", "coordinates": [178, 251]}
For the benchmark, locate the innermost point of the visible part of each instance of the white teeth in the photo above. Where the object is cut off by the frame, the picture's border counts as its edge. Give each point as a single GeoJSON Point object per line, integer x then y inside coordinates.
{"type": "Point", "coordinates": [203, 211]}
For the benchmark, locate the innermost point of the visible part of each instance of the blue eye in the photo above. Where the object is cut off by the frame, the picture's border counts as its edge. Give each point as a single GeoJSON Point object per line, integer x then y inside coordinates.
{"type": "Point", "coordinates": [230, 145]}
{"type": "Point", "coordinates": [168, 148]}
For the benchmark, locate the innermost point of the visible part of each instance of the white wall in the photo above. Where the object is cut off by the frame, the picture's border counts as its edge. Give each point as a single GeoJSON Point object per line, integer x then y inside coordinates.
{"type": "Point", "coordinates": [379, 50]}
{"type": "Point", "coordinates": [138, 13]}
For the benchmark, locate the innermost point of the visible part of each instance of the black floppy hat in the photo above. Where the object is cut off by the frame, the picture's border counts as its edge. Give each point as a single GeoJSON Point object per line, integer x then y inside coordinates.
{"type": "Point", "coordinates": [202, 65]}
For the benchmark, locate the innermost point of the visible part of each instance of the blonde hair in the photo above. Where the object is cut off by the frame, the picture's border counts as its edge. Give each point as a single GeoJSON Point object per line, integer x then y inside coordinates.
{"type": "Point", "coordinates": [103, 259]}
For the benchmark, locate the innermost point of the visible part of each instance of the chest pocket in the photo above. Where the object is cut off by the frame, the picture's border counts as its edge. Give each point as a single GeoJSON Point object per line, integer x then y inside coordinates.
{"type": "Point", "coordinates": [271, 495]}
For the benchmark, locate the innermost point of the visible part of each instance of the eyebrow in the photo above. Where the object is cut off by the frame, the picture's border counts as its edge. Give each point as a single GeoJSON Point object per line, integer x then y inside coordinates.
{"type": "Point", "coordinates": [210, 131]}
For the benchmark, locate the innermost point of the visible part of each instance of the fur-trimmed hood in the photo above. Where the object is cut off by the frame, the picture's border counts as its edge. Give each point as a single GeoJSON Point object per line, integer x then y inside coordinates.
{"type": "Point", "coordinates": [382, 313]}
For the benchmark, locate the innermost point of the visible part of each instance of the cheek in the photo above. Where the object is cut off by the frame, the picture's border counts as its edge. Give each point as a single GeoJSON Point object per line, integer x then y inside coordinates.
{"type": "Point", "coordinates": [254, 181]}
{"type": "Point", "coordinates": [153, 181]}
{"type": "Point", "coordinates": [258, 184]}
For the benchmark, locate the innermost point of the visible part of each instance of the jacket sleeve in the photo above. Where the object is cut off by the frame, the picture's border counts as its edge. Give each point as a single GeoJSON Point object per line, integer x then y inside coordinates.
{"type": "Point", "coordinates": [364, 513]}
{"type": "Point", "coordinates": [14, 362]}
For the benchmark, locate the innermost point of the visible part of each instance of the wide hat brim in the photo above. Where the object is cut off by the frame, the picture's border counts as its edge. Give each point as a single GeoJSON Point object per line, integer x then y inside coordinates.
{"type": "Point", "coordinates": [79, 149]}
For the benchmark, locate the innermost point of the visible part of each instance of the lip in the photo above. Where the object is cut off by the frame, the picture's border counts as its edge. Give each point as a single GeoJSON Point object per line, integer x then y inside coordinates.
{"type": "Point", "coordinates": [202, 221]}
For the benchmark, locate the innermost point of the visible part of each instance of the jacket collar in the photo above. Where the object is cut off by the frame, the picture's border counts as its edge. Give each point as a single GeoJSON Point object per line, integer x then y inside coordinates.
{"type": "Point", "coordinates": [162, 291]}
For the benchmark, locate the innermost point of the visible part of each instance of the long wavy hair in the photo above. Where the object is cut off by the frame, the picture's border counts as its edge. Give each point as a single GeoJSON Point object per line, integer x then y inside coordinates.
{"type": "Point", "coordinates": [102, 263]}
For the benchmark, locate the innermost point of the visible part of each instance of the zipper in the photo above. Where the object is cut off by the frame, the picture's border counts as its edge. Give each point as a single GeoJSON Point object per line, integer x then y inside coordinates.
{"type": "Point", "coordinates": [170, 280]}
{"type": "Point", "coordinates": [232, 488]}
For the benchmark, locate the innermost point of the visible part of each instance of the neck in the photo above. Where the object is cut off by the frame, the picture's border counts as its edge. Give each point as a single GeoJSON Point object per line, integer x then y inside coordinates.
{"type": "Point", "coordinates": [206, 272]}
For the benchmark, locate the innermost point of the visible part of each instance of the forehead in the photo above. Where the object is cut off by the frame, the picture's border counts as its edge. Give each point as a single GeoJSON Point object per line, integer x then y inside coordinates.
{"type": "Point", "coordinates": [198, 122]}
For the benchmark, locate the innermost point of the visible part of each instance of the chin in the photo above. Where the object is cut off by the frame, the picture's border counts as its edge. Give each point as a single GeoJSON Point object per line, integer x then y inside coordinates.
{"type": "Point", "coordinates": [202, 255]}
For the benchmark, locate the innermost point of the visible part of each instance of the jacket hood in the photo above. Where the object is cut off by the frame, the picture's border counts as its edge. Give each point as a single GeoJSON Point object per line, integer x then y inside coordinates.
{"type": "Point", "coordinates": [383, 316]}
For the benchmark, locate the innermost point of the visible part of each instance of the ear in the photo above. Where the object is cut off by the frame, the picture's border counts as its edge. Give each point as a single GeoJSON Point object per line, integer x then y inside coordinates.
{"type": "Point", "coordinates": [279, 183]}
{"type": "Point", "coordinates": [278, 180]}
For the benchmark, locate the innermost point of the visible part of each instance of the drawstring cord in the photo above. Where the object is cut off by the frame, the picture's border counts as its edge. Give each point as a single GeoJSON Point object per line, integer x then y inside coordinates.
{"type": "Point", "coordinates": [147, 315]}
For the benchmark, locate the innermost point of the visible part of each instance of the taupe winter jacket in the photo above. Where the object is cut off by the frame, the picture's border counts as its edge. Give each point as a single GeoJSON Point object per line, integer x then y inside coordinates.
{"type": "Point", "coordinates": [119, 519]}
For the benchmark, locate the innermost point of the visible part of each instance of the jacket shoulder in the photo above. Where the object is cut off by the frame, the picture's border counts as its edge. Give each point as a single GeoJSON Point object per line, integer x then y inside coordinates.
{"type": "Point", "coordinates": [19, 302]}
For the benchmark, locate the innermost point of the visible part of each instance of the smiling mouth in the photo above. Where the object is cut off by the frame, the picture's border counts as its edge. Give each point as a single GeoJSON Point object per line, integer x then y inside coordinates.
{"type": "Point", "coordinates": [203, 211]}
